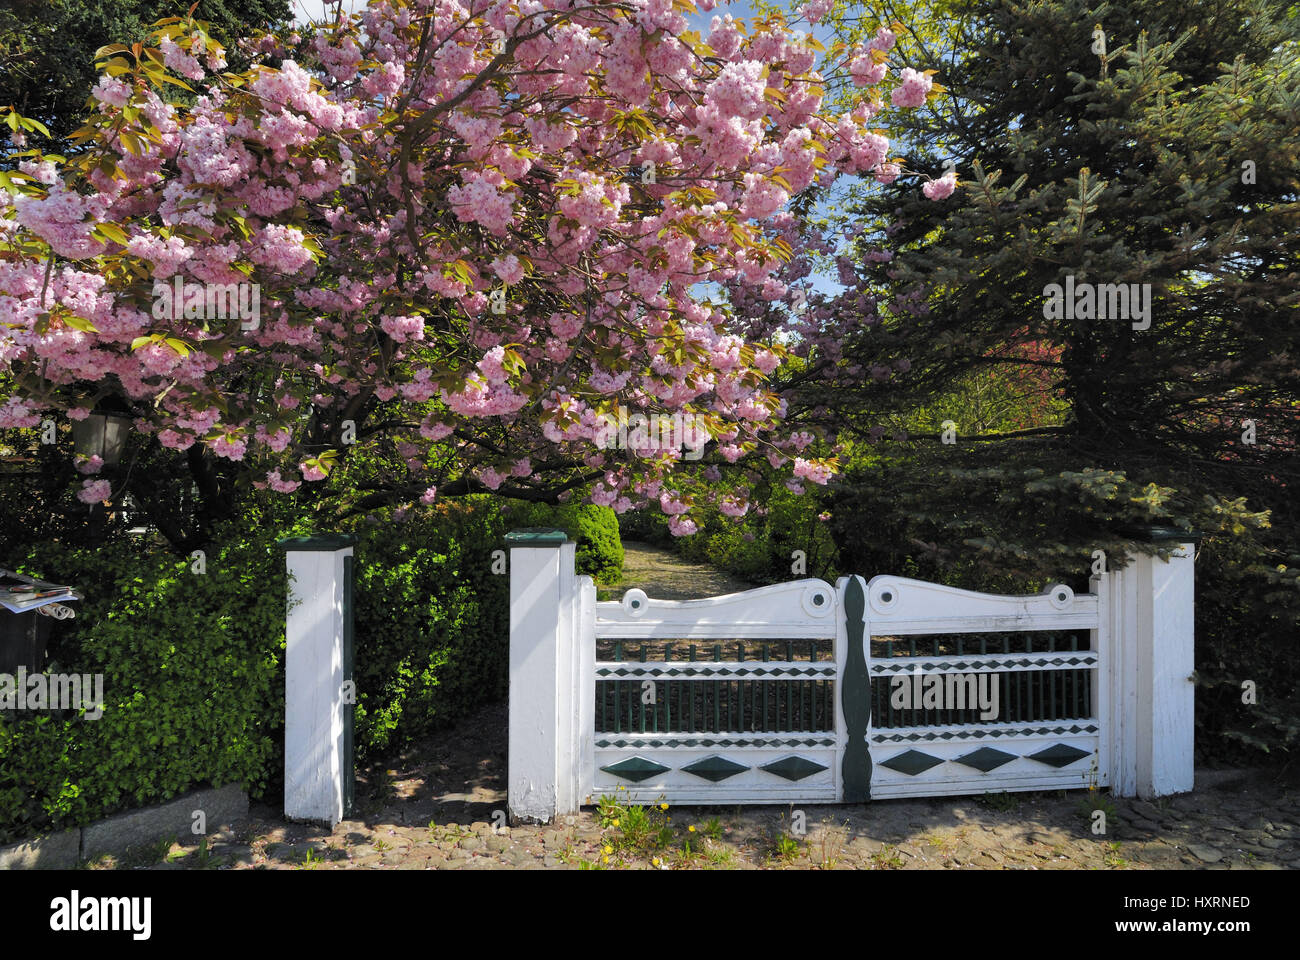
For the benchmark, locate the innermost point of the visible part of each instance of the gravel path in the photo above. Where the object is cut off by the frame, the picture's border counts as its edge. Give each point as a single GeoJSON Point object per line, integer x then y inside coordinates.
{"type": "Point", "coordinates": [666, 576]}
{"type": "Point", "coordinates": [441, 807]}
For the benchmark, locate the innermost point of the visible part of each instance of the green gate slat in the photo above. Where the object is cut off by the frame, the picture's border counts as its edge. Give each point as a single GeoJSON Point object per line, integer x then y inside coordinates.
{"type": "Point", "coordinates": [889, 703]}
{"type": "Point", "coordinates": [1029, 682]}
{"type": "Point", "coordinates": [736, 701]}
{"type": "Point", "coordinates": [618, 711]}
{"type": "Point", "coordinates": [855, 697]}
{"type": "Point", "coordinates": [789, 691]}
{"type": "Point", "coordinates": [668, 690]}
{"type": "Point", "coordinates": [717, 692]}
{"type": "Point", "coordinates": [690, 688]}
{"type": "Point", "coordinates": [1074, 679]}
{"type": "Point", "coordinates": [766, 649]}
{"type": "Point", "coordinates": [640, 698]}
{"type": "Point", "coordinates": [1051, 680]}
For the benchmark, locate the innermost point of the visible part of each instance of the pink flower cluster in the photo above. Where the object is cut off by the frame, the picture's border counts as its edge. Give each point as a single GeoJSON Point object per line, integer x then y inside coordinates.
{"type": "Point", "coordinates": [940, 188]}
{"type": "Point", "coordinates": [353, 219]}
{"type": "Point", "coordinates": [912, 91]}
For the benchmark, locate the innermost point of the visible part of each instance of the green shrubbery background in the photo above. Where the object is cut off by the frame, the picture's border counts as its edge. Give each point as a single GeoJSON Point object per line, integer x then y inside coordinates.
{"type": "Point", "coordinates": [194, 664]}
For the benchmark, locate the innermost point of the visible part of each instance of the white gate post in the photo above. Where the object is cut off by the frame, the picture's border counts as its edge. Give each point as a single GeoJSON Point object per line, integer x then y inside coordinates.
{"type": "Point", "coordinates": [1152, 688]}
{"type": "Point", "coordinates": [543, 762]}
{"type": "Point", "coordinates": [318, 774]}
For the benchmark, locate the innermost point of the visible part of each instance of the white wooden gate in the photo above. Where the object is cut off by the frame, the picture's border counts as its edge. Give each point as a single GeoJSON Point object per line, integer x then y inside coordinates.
{"type": "Point", "coordinates": [1047, 729]}
{"type": "Point", "coordinates": [799, 692]}
{"type": "Point", "coordinates": [722, 728]}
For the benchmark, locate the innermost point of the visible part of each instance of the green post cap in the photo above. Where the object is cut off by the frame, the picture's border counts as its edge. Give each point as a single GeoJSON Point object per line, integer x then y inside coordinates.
{"type": "Point", "coordinates": [537, 537]}
{"type": "Point", "coordinates": [324, 542]}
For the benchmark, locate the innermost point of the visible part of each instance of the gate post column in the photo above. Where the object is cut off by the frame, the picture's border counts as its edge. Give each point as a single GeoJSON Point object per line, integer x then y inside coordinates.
{"type": "Point", "coordinates": [318, 706]}
{"type": "Point", "coordinates": [543, 765]}
{"type": "Point", "coordinates": [1154, 686]}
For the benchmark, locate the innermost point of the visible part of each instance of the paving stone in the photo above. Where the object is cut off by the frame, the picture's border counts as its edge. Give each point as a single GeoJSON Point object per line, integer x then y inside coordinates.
{"type": "Point", "coordinates": [1146, 810]}
{"type": "Point", "coordinates": [1206, 853]}
{"type": "Point", "coordinates": [238, 853]}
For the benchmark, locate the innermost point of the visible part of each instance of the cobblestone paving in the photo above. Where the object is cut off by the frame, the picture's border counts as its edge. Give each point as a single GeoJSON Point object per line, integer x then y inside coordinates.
{"type": "Point", "coordinates": [442, 808]}
{"type": "Point", "coordinates": [441, 814]}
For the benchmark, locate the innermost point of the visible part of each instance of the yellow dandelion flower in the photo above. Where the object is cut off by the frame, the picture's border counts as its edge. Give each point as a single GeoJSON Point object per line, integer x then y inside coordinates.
{"type": "Point", "coordinates": [604, 859]}
{"type": "Point", "coordinates": [609, 850]}
{"type": "Point", "coordinates": [654, 862]}
{"type": "Point", "coordinates": [691, 828]}
{"type": "Point", "coordinates": [663, 806]}
{"type": "Point", "coordinates": [615, 823]}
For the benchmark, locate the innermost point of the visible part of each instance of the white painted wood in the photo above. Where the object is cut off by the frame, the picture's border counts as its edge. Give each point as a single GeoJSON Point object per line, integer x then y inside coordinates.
{"type": "Point", "coordinates": [951, 777]}
{"type": "Point", "coordinates": [722, 739]}
{"type": "Point", "coordinates": [314, 764]}
{"type": "Point", "coordinates": [1138, 738]}
{"type": "Point", "coordinates": [1166, 659]}
{"type": "Point", "coordinates": [990, 733]}
{"type": "Point", "coordinates": [584, 697]}
{"type": "Point", "coordinates": [542, 771]}
{"type": "Point", "coordinates": [1122, 676]}
{"type": "Point", "coordinates": [784, 610]}
{"type": "Point", "coordinates": [984, 663]}
{"type": "Point", "coordinates": [898, 606]}
{"type": "Point", "coordinates": [676, 786]}
{"type": "Point", "coordinates": [567, 695]}
{"type": "Point", "coordinates": [1100, 640]}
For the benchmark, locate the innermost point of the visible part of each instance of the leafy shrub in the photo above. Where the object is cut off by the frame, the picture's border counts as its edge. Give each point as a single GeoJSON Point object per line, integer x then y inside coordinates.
{"type": "Point", "coordinates": [193, 683]}
{"type": "Point", "coordinates": [194, 665]}
{"type": "Point", "coordinates": [760, 547]}
{"type": "Point", "coordinates": [594, 529]}
{"type": "Point", "coordinates": [432, 622]}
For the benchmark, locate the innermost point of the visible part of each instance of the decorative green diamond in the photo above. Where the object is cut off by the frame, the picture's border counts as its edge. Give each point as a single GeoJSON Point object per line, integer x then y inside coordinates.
{"type": "Point", "coordinates": [635, 769]}
{"type": "Point", "coordinates": [985, 759]}
{"type": "Point", "coordinates": [1060, 755]}
{"type": "Point", "coordinates": [715, 768]}
{"type": "Point", "coordinates": [793, 768]}
{"type": "Point", "coordinates": [911, 762]}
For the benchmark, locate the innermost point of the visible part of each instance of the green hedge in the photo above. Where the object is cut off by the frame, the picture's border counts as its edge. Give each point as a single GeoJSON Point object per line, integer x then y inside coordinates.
{"type": "Point", "coordinates": [193, 664]}
{"type": "Point", "coordinates": [432, 622]}
{"type": "Point", "coordinates": [193, 684]}
{"type": "Point", "coordinates": [594, 529]}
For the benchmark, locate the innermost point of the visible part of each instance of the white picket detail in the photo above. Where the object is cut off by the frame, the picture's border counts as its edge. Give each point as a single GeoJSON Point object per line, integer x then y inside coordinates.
{"type": "Point", "coordinates": [914, 606]}
{"type": "Point", "coordinates": [803, 609]}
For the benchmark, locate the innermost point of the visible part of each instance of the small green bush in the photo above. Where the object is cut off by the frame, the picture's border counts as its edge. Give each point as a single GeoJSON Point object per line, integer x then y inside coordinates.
{"type": "Point", "coordinates": [594, 529]}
